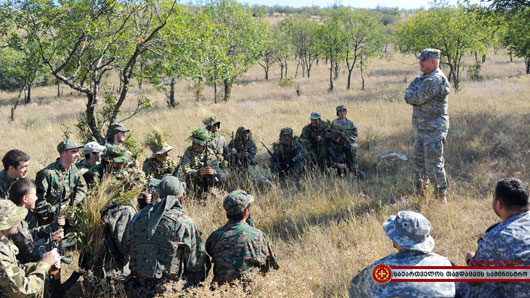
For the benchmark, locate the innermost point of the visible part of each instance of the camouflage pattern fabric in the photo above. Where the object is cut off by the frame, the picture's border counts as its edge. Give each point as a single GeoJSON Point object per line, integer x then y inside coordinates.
{"type": "Point", "coordinates": [16, 281]}
{"type": "Point", "coordinates": [127, 178]}
{"type": "Point", "coordinates": [51, 182]}
{"type": "Point", "coordinates": [291, 157]}
{"type": "Point", "coordinates": [156, 169]}
{"type": "Point", "coordinates": [237, 249]}
{"type": "Point", "coordinates": [218, 145]}
{"type": "Point", "coordinates": [350, 130]}
{"type": "Point", "coordinates": [83, 166]}
{"type": "Point", "coordinates": [363, 284]}
{"type": "Point", "coordinates": [309, 133]}
{"type": "Point", "coordinates": [5, 184]}
{"type": "Point", "coordinates": [508, 241]}
{"type": "Point", "coordinates": [428, 94]}
{"type": "Point", "coordinates": [192, 162]}
{"type": "Point", "coordinates": [31, 243]}
{"type": "Point", "coordinates": [340, 148]}
{"type": "Point", "coordinates": [175, 240]}
{"type": "Point", "coordinates": [243, 146]}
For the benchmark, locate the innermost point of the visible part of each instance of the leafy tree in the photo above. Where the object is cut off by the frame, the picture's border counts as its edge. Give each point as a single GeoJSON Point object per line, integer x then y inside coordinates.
{"type": "Point", "coordinates": [269, 51]}
{"type": "Point", "coordinates": [303, 35]}
{"type": "Point", "coordinates": [282, 49]}
{"type": "Point", "coordinates": [516, 38]}
{"type": "Point", "coordinates": [332, 43]}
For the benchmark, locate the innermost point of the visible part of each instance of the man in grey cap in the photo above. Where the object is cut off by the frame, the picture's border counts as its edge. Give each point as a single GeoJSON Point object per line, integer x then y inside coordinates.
{"type": "Point", "coordinates": [314, 133]}
{"type": "Point", "coordinates": [428, 95]}
{"type": "Point", "coordinates": [116, 136]}
{"type": "Point", "coordinates": [92, 152]}
{"type": "Point", "coordinates": [165, 244]}
{"type": "Point", "coordinates": [410, 234]}
{"type": "Point", "coordinates": [237, 248]}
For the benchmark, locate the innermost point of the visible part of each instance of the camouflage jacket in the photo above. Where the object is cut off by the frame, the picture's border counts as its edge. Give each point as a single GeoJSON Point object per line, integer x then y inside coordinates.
{"type": "Point", "coordinates": [288, 153]}
{"type": "Point", "coordinates": [5, 184]}
{"type": "Point", "coordinates": [193, 162]}
{"type": "Point", "coordinates": [175, 240]}
{"type": "Point", "coordinates": [237, 248]}
{"type": "Point", "coordinates": [243, 146]}
{"type": "Point", "coordinates": [83, 166]}
{"type": "Point", "coordinates": [16, 281]}
{"type": "Point", "coordinates": [30, 242]}
{"type": "Point", "coordinates": [310, 133]}
{"type": "Point", "coordinates": [339, 152]}
{"type": "Point", "coordinates": [51, 182]}
{"type": "Point", "coordinates": [508, 241]}
{"type": "Point", "coordinates": [363, 285]}
{"type": "Point", "coordinates": [428, 94]}
{"type": "Point", "coordinates": [155, 169]}
{"type": "Point", "coordinates": [350, 130]}
{"type": "Point", "coordinates": [127, 178]}
{"type": "Point", "coordinates": [219, 145]}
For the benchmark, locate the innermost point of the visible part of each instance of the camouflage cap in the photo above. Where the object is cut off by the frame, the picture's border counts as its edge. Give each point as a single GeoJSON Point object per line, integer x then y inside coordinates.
{"type": "Point", "coordinates": [211, 122]}
{"type": "Point", "coordinates": [237, 201]}
{"type": "Point", "coordinates": [171, 186]}
{"type": "Point", "coordinates": [115, 127]}
{"type": "Point", "coordinates": [429, 53]}
{"type": "Point", "coordinates": [10, 214]}
{"type": "Point", "coordinates": [153, 182]}
{"type": "Point", "coordinates": [116, 153]}
{"type": "Point", "coordinates": [340, 107]}
{"type": "Point", "coordinates": [93, 147]}
{"type": "Point", "coordinates": [201, 136]}
{"type": "Point", "coordinates": [315, 116]}
{"type": "Point", "coordinates": [67, 145]}
{"type": "Point", "coordinates": [286, 131]}
{"type": "Point", "coordinates": [410, 230]}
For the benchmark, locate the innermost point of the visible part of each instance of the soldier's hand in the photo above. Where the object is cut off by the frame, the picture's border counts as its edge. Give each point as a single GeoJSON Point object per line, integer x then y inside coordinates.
{"type": "Point", "coordinates": [135, 163]}
{"type": "Point", "coordinates": [234, 151]}
{"type": "Point", "coordinates": [469, 255]}
{"type": "Point", "coordinates": [341, 166]}
{"type": "Point", "coordinates": [245, 154]}
{"type": "Point", "coordinates": [317, 139]}
{"type": "Point", "coordinates": [62, 220]}
{"type": "Point", "coordinates": [148, 199]}
{"type": "Point", "coordinates": [207, 171]}
{"type": "Point", "coordinates": [52, 258]}
{"type": "Point", "coordinates": [58, 235]}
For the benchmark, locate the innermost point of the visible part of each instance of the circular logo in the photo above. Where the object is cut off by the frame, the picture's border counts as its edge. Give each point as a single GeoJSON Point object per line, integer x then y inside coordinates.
{"type": "Point", "coordinates": [382, 274]}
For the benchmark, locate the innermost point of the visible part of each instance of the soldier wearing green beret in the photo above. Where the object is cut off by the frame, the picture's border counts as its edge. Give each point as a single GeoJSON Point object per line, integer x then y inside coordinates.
{"type": "Point", "coordinates": [17, 280]}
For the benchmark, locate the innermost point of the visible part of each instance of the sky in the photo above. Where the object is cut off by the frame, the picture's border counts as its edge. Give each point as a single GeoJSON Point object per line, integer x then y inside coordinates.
{"type": "Point", "coordinates": [406, 4]}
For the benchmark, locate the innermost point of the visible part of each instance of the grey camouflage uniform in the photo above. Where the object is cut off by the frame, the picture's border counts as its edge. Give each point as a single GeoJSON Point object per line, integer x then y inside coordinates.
{"type": "Point", "coordinates": [428, 95]}
{"type": "Point", "coordinates": [507, 241]}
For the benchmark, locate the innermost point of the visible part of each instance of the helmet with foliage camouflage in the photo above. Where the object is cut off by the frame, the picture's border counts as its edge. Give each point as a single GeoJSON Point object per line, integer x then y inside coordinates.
{"type": "Point", "coordinates": [286, 131]}
{"type": "Point", "coordinates": [242, 129]}
{"type": "Point", "coordinates": [10, 214]}
{"type": "Point", "coordinates": [336, 129]}
{"type": "Point", "coordinates": [156, 140]}
{"type": "Point", "coordinates": [211, 122]}
{"type": "Point", "coordinates": [116, 153]}
{"type": "Point", "coordinates": [201, 136]}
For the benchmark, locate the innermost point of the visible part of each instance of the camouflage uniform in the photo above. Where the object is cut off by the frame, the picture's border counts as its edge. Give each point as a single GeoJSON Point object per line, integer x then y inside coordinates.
{"type": "Point", "coordinates": [411, 231]}
{"type": "Point", "coordinates": [310, 133]}
{"type": "Point", "coordinates": [31, 243]}
{"type": "Point", "coordinates": [156, 169]}
{"type": "Point", "coordinates": [332, 152]}
{"type": "Point", "coordinates": [237, 248]}
{"type": "Point", "coordinates": [289, 157]}
{"type": "Point", "coordinates": [428, 94]}
{"type": "Point", "coordinates": [17, 280]}
{"type": "Point", "coordinates": [165, 244]}
{"type": "Point", "coordinates": [507, 241]}
{"type": "Point", "coordinates": [218, 143]}
{"type": "Point", "coordinates": [237, 160]}
{"type": "Point", "coordinates": [83, 167]}
{"type": "Point", "coordinates": [5, 184]}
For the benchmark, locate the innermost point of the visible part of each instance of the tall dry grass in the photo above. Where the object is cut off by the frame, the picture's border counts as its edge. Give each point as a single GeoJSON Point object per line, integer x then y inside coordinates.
{"type": "Point", "coordinates": [325, 231]}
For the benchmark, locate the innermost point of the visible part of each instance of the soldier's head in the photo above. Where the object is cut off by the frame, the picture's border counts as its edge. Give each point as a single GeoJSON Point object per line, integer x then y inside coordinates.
{"type": "Point", "coordinates": [16, 163]}
{"type": "Point", "coordinates": [68, 152]}
{"type": "Point", "coordinates": [156, 140]}
{"type": "Point", "coordinates": [117, 156]}
{"type": "Point", "coordinates": [510, 198]}
{"type": "Point", "coordinates": [10, 217]}
{"type": "Point", "coordinates": [171, 186]}
{"type": "Point", "coordinates": [341, 111]}
{"type": "Point", "coordinates": [429, 60]}
{"type": "Point", "coordinates": [23, 193]}
{"type": "Point", "coordinates": [200, 138]}
{"type": "Point", "coordinates": [93, 152]}
{"type": "Point", "coordinates": [409, 230]}
{"type": "Point", "coordinates": [243, 132]}
{"type": "Point", "coordinates": [315, 119]}
{"type": "Point", "coordinates": [286, 135]}
{"type": "Point", "coordinates": [118, 133]}
{"type": "Point", "coordinates": [237, 205]}
{"type": "Point", "coordinates": [212, 124]}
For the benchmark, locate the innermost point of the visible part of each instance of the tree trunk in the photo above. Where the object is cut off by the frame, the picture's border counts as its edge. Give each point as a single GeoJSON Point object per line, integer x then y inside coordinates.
{"type": "Point", "coordinates": [297, 65]}
{"type": "Point", "coordinates": [331, 76]}
{"type": "Point", "coordinates": [214, 91]}
{"type": "Point", "coordinates": [511, 57]}
{"type": "Point", "coordinates": [228, 89]}
{"type": "Point", "coordinates": [336, 70]}
{"type": "Point", "coordinates": [285, 69]}
{"type": "Point", "coordinates": [483, 58]}
{"type": "Point", "coordinates": [281, 71]}
{"type": "Point", "coordinates": [362, 74]}
{"type": "Point", "coordinates": [476, 56]}
{"type": "Point", "coordinates": [28, 95]}
{"type": "Point", "coordinates": [267, 73]}
{"type": "Point", "coordinates": [58, 88]}
{"type": "Point", "coordinates": [349, 77]}
{"type": "Point", "coordinates": [527, 60]}
{"type": "Point", "coordinates": [172, 102]}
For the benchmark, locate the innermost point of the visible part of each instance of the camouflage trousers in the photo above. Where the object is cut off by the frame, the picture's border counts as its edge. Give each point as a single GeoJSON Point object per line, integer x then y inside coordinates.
{"type": "Point", "coordinates": [428, 160]}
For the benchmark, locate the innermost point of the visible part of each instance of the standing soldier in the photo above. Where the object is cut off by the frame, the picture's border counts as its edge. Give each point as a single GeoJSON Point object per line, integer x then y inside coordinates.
{"type": "Point", "coordinates": [242, 149]}
{"type": "Point", "coordinates": [288, 156]}
{"type": "Point", "coordinates": [314, 133]}
{"type": "Point", "coordinates": [218, 143]}
{"type": "Point", "coordinates": [16, 165]}
{"type": "Point", "coordinates": [200, 168]}
{"type": "Point", "coordinates": [237, 248]}
{"type": "Point", "coordinates": [336, 152]}
{"type": "Point", "coordinates": [160, 163]}
{"type": "Point", "coordinates": [92, 152]}
{"type": "Point", "coordinates": [165, 244]}
{"type": "Point", "coordinates": [60, 180]}
{"type": "Point", "coordinates": [350, 130]}
{"type": "Point", "coordinates": [117, 136]}
{"type": "Point", "coordinates": [17, 280]}
{"type": "Point", "coordinates": [428, 95]}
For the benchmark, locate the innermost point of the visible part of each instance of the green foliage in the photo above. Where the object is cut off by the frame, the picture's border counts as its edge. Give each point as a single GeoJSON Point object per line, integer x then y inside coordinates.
{"type": "Point", "coordinates": [516, 37]}
{"type": "Point", "coordinates": [286, 82]}
{"type": "Point", "coordinates": [303, 35]}
{"type": "Point", "coordinates": [474, 71]}
{"type": "Point", "coordinates": [133, 145]}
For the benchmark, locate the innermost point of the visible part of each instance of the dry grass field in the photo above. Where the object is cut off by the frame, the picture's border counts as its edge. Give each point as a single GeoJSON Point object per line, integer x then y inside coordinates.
{"type": "Point", "coordinates": [325, 231]}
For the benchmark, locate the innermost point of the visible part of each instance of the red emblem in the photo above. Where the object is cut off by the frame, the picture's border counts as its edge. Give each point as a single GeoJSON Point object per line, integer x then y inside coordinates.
{"type": "Point", "coordinates": [382, 274]}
